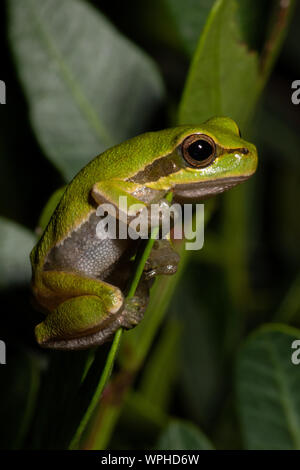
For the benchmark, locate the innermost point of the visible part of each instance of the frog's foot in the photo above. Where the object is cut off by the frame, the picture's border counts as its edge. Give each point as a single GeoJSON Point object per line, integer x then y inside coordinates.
{"type": "Point", "coordinates": [133, 311]}
{"type": "Point", "coordinates": [82, 322]}
{"type": "Point", "coordinates": [162, 260]}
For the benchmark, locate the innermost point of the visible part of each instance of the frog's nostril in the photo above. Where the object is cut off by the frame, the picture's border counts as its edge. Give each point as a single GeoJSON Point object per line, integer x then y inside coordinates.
{"type": "Point", "coordinates": [245, 151]}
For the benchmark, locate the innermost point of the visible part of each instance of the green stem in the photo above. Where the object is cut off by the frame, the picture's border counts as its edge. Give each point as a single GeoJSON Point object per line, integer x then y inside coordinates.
{"type": "Point", "coordinates": [115, 345]}
{"type": "Point", "coordinates": [278, 30]}
{"type": "Point", "coordinates": [135, 348]}
{"type": "Point", "coordinates": [98, 392]}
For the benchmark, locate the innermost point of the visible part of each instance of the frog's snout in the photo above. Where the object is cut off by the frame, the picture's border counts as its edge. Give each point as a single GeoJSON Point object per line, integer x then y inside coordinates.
{"type": "Point", "coordinates": [253, 157]}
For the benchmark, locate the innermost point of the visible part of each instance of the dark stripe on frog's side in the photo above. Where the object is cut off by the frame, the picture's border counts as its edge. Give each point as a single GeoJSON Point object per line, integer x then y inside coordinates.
{"type": "Point", "coordinates": [169, 164]}
{"type": "Point", "coordinates": [163, 166]}
{"type": "Point", "coordinates": [242, 150]}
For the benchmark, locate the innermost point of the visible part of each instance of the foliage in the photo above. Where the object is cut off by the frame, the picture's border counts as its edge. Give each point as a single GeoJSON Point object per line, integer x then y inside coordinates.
{"type": "Point", "coordinates": [200, 369]}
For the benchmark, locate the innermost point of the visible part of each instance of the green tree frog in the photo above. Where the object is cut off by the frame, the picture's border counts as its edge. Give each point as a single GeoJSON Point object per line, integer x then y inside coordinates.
{"type": "Point", "coordinates": [78, 280]}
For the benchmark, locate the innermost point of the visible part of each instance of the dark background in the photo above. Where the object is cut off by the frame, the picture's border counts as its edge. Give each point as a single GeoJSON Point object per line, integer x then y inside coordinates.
{"type": "Point", "coordinates": [27, 179]}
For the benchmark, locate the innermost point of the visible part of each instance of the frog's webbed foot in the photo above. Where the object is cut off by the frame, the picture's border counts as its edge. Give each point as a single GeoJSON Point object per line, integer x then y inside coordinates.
{"type": "Point", "coordinates": [135, 307]}
{"type": "Point", "coordinates": [162, 260]}
{"type": "Point", "coordinates": [133, 311]}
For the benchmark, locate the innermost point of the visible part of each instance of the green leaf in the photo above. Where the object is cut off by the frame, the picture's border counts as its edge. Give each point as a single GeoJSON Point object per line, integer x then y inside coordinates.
{"type": "Point", "coordinates": [16, 244]}
{"type": "Point", "coordinates": [180, 435]}
{"type": "Point", "coordinates": [88, 87]}
{"type": "Point", "coordinates": [268, 386]}
{"type": "Point", "coordinates": [161, 370]}
{"type": "Point", "coordinates": [223, 76]}
{"type": "Point", "coordinates": [54, 418]}
{"type": "Point", "coordinates": [189, 17]}
{"type": "Point", "coordinates": [253, 18]}
{"type": "Point", "coordinates": [202, 362]}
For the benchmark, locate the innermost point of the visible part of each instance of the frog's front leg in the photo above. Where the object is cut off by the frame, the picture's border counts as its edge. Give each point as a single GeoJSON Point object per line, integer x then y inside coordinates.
{"type": "Point", "coordinates": [84, 312]}
{"type": "Point", "coordinates": [138, 197]}
{"type": "Point", "coordinates": [163, 259]}
{"type": "Point", "coordinates": [139, 200]}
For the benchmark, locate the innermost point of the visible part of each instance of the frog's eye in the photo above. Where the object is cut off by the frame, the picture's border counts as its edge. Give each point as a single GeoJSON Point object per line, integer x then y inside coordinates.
{"type": "Point", "coordinates": [198, 150]}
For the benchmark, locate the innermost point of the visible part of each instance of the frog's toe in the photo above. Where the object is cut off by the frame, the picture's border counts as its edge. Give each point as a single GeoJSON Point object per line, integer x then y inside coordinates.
{"type": "Point", "coordinates": [133, 311]}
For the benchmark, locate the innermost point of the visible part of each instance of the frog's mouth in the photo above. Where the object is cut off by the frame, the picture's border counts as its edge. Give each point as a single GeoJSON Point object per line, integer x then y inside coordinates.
{"type": "Point", "coordinates": [206, 189]}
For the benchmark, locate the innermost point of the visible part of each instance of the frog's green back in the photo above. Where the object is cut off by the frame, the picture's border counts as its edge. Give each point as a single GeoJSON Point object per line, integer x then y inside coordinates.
{"type": "Point", "coordinates": [121, 162]}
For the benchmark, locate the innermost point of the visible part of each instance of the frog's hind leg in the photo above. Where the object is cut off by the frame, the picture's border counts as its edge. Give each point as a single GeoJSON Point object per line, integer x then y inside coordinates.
{"type": "Point", "coordinates": [75, 324]}
{"type": "Point", "coordinates": [85, 312]}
